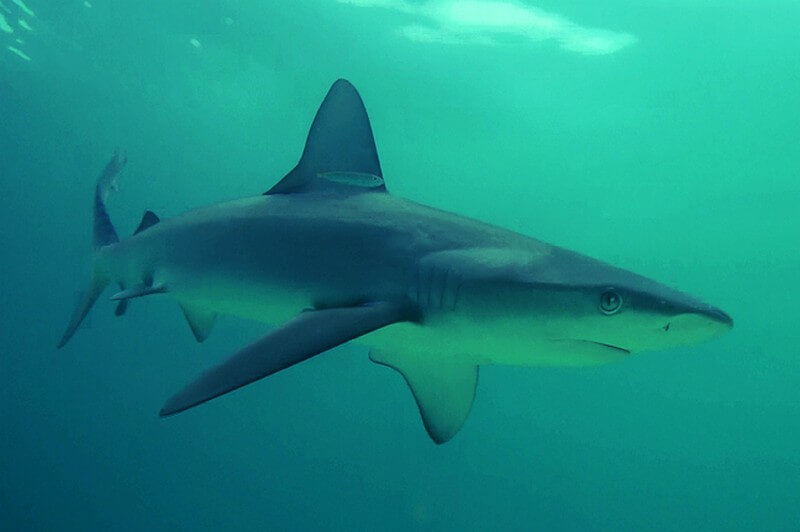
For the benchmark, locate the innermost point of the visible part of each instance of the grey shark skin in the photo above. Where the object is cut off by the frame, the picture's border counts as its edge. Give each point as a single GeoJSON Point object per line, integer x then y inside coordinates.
{"type": "Point", "coordinates": [433, 294]}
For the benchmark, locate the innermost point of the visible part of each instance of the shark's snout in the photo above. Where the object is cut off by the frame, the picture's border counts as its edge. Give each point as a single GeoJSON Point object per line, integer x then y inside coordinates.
{"type": "Point", "coordinates": [709, 316]}
{"type": "Point", "coordinates": [719, 316]}
{"type": "Point", "coordinates": [696, 325]}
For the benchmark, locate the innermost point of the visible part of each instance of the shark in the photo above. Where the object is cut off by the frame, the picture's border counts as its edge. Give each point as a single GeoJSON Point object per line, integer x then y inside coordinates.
{"type": "Point", "coordinates": [327, 256]}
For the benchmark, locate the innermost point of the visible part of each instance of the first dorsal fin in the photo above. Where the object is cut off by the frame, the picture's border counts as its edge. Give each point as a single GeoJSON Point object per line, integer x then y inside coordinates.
{"type": "Point", "coordinates": [340, 142]}
{"type": "Point", "coordinates": [149, 219]}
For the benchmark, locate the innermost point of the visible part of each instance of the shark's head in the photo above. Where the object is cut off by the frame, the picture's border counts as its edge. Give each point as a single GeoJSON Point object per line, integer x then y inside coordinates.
{"type": "Point", "coordinates": [580, 306]}
{"type": "Point", "coordinates": [581, 299]}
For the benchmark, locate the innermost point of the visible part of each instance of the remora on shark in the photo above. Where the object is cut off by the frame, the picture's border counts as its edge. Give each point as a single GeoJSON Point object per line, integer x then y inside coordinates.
{"type": "Point", "coordinates": [329, 253]}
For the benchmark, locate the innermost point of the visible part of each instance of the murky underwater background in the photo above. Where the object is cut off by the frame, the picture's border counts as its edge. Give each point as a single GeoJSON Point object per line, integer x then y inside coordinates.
{"type": "Point", "coordinates": [659, 136]}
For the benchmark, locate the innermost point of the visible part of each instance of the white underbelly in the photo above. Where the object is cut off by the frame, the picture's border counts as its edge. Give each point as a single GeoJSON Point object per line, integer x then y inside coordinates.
{"type": "Point", "coordinates": [452, 337]}
{"type": "Point", "coordinates": [268, 304]}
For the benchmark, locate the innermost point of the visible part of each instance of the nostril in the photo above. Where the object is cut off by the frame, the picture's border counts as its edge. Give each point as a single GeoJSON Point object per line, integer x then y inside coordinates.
{"type": "Point", "coordinates": [666, 327]}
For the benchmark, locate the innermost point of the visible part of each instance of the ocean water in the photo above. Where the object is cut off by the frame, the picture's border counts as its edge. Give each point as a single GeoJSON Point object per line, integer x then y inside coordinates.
{"type": "Point", "coordinates": [658, 136]}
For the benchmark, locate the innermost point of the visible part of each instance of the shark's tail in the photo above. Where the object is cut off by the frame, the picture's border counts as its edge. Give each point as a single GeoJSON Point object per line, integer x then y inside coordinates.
{"type": "Point", "coordinates": [104, 234]}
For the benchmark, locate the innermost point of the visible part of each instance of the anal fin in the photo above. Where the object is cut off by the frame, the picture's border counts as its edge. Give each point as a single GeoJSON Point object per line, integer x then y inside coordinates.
{"type": "Point", "coordinates": [443, 388]}
{"type": "Point", "coordinates": [200, 320]}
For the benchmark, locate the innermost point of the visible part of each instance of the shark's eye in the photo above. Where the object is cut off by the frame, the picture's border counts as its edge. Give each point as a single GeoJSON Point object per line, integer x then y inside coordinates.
{"type": "Point", "coordinates": [610, 302]}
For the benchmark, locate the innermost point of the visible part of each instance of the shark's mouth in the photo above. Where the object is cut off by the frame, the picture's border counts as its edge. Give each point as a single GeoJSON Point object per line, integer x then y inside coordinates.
{"type": "Point", "coordinates": [593, 346]}
{"type": "Point", "coordinates": [615, 347]}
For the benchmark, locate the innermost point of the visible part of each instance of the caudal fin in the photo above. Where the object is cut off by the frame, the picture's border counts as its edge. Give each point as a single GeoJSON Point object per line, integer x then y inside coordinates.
{"type": "Point", "coordinates": [104, 234]}
{"type": "Point", "coordinates": [82, 309]}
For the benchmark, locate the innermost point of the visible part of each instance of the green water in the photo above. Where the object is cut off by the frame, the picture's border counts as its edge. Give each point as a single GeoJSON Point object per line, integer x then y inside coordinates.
{"type": "Point", "coordinates": [659, 136]}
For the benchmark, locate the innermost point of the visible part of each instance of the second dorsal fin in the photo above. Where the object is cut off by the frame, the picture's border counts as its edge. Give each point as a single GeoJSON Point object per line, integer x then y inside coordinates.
{"type": "Point", "coordinates": [149, 219]}
{"type": "Point", "coordinates": [340, 142]}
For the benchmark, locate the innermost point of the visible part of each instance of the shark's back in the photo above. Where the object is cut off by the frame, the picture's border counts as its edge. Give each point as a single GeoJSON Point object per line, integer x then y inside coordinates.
{"type": "Point", "coordinates": [346, 239]}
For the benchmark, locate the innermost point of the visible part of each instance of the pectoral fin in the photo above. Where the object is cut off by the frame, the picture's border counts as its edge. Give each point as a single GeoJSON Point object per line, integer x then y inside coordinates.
{"type": "Point", "coordinates": [443, 388]}
{"type": "Point", "coordinates": [307, 335]}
